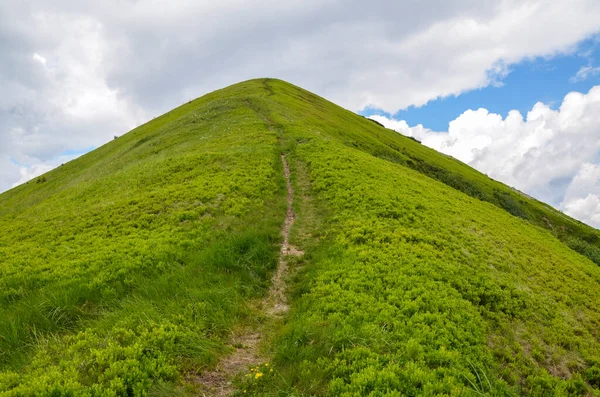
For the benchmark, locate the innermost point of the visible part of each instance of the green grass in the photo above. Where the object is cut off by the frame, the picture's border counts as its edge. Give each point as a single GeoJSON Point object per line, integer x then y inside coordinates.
{"type": "Point", "coordinates": [124, 272]}
{"type": "Point", "coordinates": [132, 263]}
{"type": "Point", "coordinates": [412, 287]}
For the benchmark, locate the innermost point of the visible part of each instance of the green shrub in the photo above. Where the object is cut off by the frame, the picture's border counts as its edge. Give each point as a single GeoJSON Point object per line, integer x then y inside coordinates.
{"type": "Point", "coordinates": [584, 248]}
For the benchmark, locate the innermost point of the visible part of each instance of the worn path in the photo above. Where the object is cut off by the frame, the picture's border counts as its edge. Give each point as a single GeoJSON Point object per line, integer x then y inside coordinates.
{"type": "Point", "coordinates": [218, 382]}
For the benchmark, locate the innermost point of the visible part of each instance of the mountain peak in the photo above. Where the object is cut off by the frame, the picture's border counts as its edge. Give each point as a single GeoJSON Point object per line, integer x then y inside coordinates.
{"type": "Point", "coordinates": [160, 262]}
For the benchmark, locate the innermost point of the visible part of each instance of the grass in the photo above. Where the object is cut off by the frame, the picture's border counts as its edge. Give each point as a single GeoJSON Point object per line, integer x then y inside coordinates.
{"type": "Point", "coordinates": [413, 286]}
{"type": "Point", "coordinates": [124, 272]}
{"type": "Point", "coordinates": [138, 258]}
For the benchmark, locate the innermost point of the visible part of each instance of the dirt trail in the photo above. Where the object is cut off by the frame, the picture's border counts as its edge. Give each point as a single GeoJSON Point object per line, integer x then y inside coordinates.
{"type": "Point", "coordinates": [217, 383]}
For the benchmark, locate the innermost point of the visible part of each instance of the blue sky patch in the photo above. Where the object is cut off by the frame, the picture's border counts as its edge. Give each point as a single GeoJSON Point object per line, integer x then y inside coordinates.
{"type": "Point", "coordinates": [15, 162]}
{"type": "Point", "coordinates": [545, 80]}
{"type": "Point", "coordinates": [77, 152]}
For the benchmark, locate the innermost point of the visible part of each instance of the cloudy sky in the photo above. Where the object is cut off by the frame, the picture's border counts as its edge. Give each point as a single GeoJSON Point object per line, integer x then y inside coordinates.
{"type": "Point", "coordinates": [510, 87]}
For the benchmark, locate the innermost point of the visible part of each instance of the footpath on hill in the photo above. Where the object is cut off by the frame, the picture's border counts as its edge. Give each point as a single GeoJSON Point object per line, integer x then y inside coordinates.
{"type": "Point", "coordinates": [247, 353]}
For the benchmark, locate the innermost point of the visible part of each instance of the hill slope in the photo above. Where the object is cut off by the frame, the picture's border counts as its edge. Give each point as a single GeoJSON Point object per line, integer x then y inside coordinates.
{"type": "Point", "coordinates": [125, 271]}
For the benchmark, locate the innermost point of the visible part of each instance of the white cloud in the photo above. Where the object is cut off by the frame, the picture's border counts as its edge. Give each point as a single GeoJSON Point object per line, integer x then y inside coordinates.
{"type": "Point", "coordinates": [40, 59]}
{"type": "Point", "coordinates": [8, 170]}
{"type": "Point", "coordinates": [67, 104]}
{"type": "Point", "coordinates": [73, 73]}
{"type": "Point", "coordinates": [584, 73]}
{"type": "Point", "coordinates": [585, 209]}
{"type": "Point", "coordinates": [582, 199]}
{"type": "Point", "coordinates": [550, 154]}
{"type": "Point", "coordinates": [30, 172]}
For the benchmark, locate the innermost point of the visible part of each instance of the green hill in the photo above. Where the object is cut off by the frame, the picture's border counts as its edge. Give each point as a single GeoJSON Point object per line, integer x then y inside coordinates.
{"type": "Point", "coordinates": [131, 270]}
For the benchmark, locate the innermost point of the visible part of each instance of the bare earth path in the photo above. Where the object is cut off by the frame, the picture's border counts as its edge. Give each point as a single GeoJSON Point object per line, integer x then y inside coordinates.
{"type": "Point", "coordinates": [218, 382]}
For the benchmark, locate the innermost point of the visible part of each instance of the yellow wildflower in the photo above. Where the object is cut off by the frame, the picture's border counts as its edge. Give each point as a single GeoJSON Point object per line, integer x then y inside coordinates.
{"type": "Point", "coordinates": [258, 375]}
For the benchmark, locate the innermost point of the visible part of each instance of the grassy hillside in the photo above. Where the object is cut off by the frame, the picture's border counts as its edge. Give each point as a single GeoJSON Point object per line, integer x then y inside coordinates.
{"type": "Point", "coordinates": [124, 271]}
{"type": "Point", "coordinates": [412, 286]}
{"type": "Point", "coordinates": [121, 268]}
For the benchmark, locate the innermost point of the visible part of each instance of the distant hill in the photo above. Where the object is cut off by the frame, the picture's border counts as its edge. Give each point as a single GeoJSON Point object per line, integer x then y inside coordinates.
{"type": "Point", "coordinates": [138, 268]}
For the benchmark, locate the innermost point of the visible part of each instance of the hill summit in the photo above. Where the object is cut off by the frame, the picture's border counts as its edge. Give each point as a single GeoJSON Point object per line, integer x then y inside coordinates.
{"type": "Point", "coordinates": [263, 241]}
